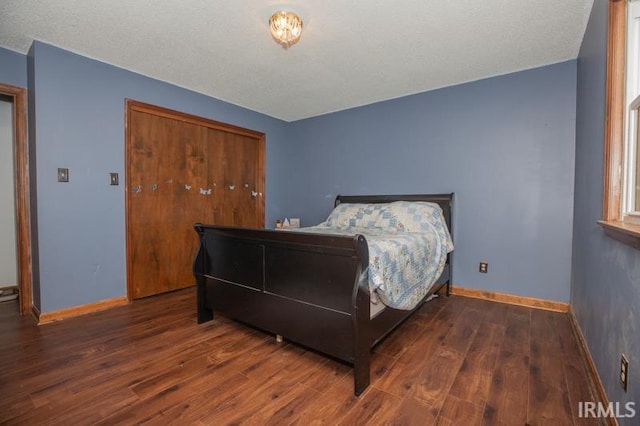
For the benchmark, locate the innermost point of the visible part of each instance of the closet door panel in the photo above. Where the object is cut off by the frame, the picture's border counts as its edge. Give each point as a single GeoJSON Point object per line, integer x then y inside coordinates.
{"type": "Point", "coordinates": [181, 172]}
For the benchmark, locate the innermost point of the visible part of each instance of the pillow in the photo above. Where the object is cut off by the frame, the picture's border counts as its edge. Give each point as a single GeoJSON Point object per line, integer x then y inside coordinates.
{"type": "Point", "coordinates": [399, 216]}
{"type": "Point", "coordinates": [411, 216]}
{"type": "Point", "coordinates": [348, 215]}
{"type": "Point", "coordinates": [416, 216]}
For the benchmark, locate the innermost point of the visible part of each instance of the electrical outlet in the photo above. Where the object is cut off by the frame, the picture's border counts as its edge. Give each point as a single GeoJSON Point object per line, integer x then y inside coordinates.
{"type": "Point", "coordinates": [483, 268]}
{"type": "Point", "coordinates": [624, 372]}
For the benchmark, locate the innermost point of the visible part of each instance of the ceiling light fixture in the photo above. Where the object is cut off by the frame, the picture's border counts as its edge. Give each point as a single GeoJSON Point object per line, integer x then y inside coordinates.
{"type": "Point", "coordinates": [286, 28]}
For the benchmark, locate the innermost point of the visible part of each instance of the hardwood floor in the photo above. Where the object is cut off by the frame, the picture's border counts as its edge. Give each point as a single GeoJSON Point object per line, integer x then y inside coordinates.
{"type": "Point", "coordinates": [457, 361]}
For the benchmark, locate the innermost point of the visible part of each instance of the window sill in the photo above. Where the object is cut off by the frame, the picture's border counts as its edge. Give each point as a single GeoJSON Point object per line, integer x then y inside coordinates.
{"type": "Point", "coordinates": [626, 233]}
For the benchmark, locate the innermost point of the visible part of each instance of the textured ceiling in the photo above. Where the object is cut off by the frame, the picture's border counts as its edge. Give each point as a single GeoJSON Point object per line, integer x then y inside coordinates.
{"type": "Point", "coordinates": [351, 53]}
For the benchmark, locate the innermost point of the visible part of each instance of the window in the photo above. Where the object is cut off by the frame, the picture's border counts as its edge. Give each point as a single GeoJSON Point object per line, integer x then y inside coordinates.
{"type": "Point", "coordinates": [631, 171]}
{"type": "Point", "coordinates": [621, 201]}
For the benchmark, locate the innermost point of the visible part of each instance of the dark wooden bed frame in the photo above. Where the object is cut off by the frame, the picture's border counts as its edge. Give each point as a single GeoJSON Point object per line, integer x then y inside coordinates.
{"type": "Point", "coordinates": [306, 287]}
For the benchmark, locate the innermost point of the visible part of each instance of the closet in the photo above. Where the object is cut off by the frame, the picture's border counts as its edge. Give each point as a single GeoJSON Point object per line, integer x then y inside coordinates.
{"type": "Point", "coordinates": [181, 170]}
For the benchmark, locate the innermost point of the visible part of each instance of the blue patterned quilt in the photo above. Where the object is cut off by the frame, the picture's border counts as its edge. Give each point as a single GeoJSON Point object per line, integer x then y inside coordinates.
{"type": "Point", "coordinates": [408, 244]}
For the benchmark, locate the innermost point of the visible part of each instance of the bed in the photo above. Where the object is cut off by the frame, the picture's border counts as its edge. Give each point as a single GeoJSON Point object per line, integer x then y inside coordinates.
{"type": "Point", "coordinates": [316, 286]}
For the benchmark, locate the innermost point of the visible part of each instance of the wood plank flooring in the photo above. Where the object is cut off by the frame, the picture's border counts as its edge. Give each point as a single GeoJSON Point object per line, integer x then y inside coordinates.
{"type": "Point", "coordinates": [457, 361]}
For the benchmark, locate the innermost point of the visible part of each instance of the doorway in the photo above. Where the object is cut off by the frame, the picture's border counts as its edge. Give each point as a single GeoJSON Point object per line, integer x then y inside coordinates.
{"type": "Point", "coordinates": [8, 258]}
{"type": "Point", "coordinates": [19, 152]}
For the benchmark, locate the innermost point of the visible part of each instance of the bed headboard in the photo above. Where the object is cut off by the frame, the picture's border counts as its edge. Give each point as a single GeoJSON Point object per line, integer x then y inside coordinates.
{"type": "Point", "coordinates": [444, 200]}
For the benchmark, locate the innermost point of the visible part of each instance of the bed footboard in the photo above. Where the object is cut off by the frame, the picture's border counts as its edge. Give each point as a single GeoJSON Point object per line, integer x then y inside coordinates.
{"type": "Point", "coordinates": [305, 287]}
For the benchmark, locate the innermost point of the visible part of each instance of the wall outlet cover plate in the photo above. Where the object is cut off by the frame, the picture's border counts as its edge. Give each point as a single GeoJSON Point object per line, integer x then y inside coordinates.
{"type": "Point", "coordinates": [113, 179]}
{"type": "Point", "coordinates": [63, 174]}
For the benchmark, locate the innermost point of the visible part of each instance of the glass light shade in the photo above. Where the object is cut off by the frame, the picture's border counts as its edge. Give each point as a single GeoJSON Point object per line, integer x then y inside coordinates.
{"type": "Point", "coordinates": [286, 28]}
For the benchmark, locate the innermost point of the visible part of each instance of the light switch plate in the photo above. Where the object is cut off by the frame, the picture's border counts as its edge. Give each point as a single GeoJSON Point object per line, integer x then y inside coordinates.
{"type": "Point", "coordinates": [63, 174]}
{"type": "Point", "coordinates": [113, 179]}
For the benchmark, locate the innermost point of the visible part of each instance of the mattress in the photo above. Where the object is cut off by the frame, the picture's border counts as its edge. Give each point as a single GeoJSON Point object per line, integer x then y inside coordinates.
{"type": "Point", "coordinates": [408, 243]}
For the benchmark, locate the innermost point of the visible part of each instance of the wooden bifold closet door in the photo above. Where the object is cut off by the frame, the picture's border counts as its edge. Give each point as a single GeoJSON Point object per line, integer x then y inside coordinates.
{"type": "Point", "coordinates": [181, 170]}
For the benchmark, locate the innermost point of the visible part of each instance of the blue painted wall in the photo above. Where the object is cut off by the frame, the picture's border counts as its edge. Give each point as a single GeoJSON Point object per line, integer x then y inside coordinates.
{"type": "Point", "coordinates": [79, 123]}
{"type": "Point", "coordinates": [605, 288]}
{"type": "Point", "coordinates": [13, 68]}
{"type": "Point", "coordinates": [504, 145]}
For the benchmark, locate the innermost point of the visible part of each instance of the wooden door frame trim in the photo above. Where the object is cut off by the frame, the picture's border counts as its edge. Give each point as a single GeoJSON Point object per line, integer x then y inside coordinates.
{"type": "Point", "coordinates": [133, 105]}
{"type": "Point", "coordinates": [137, 106]}
{"type": "Point", "coordinates": [22, 196]}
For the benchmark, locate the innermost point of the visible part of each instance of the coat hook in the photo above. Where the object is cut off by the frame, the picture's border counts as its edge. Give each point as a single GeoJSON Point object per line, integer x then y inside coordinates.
{"type": "Point", "coordinates": [254, 194]}
{"type": "Point", "coordinates": [232, 187]}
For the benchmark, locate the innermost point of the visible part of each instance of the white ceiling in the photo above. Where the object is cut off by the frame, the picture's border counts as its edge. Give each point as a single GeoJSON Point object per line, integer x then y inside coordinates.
{"type": "Point", "coordinates": [351, 53]}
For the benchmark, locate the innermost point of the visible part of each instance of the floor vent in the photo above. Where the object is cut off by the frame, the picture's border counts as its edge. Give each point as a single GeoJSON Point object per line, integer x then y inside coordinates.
{"type": "Point", "coordinates": [8, 293]}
